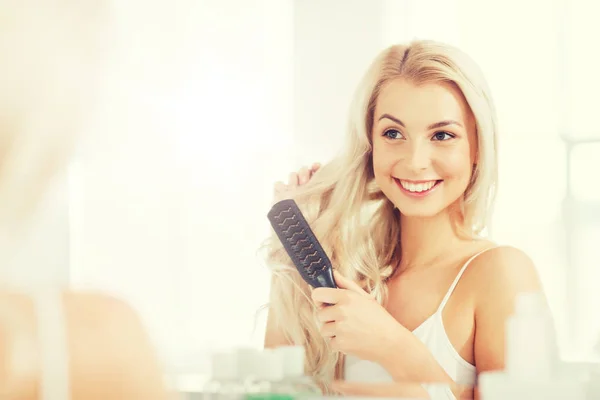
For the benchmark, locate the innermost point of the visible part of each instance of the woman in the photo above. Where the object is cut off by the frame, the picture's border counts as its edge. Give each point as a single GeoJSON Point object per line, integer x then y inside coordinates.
{"type": "Point", "coordinates": [56, 343]}
{"type": "Point", "coordinates": [402, 211]}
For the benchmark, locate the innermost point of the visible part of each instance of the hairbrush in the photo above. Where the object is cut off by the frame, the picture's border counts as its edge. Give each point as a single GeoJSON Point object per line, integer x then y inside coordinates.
{"type": "Point", "coordinates": [301, 244]}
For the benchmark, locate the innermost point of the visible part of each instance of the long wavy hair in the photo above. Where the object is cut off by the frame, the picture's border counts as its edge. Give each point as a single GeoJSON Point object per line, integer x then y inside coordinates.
{"type": "Point", "coordinates": [350, 215]}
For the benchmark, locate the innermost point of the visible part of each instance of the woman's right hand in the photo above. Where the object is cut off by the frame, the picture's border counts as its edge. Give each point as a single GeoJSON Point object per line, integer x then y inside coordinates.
{"type": "Point", "coordinates": [296, 179]}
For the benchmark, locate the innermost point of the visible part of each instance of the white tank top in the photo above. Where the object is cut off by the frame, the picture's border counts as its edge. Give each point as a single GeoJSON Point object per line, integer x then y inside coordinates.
{"type": "Point", "coordinates": [54, 365]}
{"type": "Point", "coordinates": [433, 334]}
{"type": "Point", "coordinates": [49, 319]}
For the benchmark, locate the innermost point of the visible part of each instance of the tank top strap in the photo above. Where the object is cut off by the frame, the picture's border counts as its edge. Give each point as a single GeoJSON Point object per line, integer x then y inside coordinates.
{"type": "Point", "coordinates": [457, 279]}
{"type": "Point", "coordinates": [52, 337]}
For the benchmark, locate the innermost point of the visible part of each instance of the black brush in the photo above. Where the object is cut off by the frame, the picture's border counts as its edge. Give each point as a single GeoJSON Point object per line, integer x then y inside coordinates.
{"type": "Point", "coordinates": [301, 244]}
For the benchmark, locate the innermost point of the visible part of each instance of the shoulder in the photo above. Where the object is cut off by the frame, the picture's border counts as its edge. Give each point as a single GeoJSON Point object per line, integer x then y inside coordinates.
{"type": "Point", "coordinates": [101, 309]}
{"type": "Point", "coordinates": [108, 339]}
{"type": "Point", "coordinates": [504, 265]}
{"type": "Point", "coordinates": [111, 318]}
{"type": "Point", "coordinates": [500, 274]}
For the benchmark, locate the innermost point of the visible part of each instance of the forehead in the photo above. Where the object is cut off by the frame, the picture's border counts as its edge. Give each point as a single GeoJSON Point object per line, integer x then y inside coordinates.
{"type": "Point", "coordinates": [424, 103]}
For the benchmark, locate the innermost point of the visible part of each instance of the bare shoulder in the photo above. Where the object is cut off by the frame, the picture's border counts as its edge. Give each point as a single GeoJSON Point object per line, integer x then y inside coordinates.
{"type": "Point", "coordinates": [109, 340]}
{"type": "Point", "coordinates": [504, 265]}
{"type": "Point", "coordinates": [106, 340]}
{"type": "Point", "coordinates": [499, 274]}
{"type": "Point", "coordinates": [99, 308]}
{"type": "Point", "coordinates": [106, 317]}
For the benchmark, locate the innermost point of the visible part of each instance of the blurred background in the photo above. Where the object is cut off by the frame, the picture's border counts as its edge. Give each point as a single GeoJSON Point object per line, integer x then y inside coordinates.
{"type": "Point", "coordinates": [208, 102]}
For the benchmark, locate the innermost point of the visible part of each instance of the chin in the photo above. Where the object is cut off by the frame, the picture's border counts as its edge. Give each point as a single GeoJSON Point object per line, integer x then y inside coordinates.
{"type": "Point", "coordinates": [420, 212]}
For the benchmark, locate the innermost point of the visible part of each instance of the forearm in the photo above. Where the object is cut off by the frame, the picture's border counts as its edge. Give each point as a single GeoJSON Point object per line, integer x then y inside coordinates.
{"type": "Point", "coordinates": [407, 359]}
{"type": "Point", "coordinates": [415, 363]}
{"type": "Point", "coordinates": [425, 388]}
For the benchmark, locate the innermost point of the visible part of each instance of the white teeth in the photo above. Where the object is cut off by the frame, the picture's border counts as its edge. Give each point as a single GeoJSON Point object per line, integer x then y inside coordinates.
{"type": "Point", "coordinates": [417, 187]}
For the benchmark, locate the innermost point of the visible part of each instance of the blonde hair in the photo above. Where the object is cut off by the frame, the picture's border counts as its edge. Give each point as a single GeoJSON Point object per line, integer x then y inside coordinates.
{"type": "Point", "coordinates": [48, 54]}
{"type": "Point", "coordinates": [343, 192]}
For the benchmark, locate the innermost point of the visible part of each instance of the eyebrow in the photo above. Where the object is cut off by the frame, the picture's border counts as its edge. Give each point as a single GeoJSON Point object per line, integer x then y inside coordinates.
{"type": "Point", "coordinates": [435, 125]}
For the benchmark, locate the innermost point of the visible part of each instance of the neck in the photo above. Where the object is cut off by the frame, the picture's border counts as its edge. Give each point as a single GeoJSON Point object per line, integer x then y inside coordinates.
{"type": "Point", "coordinates": [425, 241]}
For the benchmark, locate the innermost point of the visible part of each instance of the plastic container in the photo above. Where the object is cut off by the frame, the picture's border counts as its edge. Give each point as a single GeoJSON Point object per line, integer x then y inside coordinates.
{"type": "Point", "coordinates": [593, 384]}
{"type": "Point", "coordinates": [247, 361]}
{"type": "Point", "coordinates": [294, 379]}
{"type": "Point", "coordinates": [500, 386]}
{"type": "Point", "coordinates": [224, 383]}
{"type": "Point", "coordinates": [268, 383]}
{"type": "Point", "coordinates": [531, 348]}
{"type": "Point", "coordinates": [532, 362]}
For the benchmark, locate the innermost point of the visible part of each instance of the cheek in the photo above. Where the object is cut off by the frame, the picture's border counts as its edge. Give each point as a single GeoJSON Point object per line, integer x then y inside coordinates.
{"type": "Point", "coordinates": [455, 165]}
{"type": "Point", "coordinates": [383, 162]}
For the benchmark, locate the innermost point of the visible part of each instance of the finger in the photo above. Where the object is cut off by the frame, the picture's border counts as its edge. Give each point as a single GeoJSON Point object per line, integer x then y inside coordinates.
{"type": "Point", "coordinates": [328, 330]}
{"type": "Point", "coordinates": [279, 187]}
{"type": "Point", "coordinates": [322, 296]}
{"type": "Point", "coordinates": [293, 179]}
{"type": "Point", "coordinates": [334, 344]}
{"type": "Point", "coordinates": [315, 167]}
{"type": "Point", "coordinates": [344, 283]}
{"type": "Point", "coordinates": [279, 191]}
{"type": "Point", "coordinates": [303, 175]}
{"type": "Point", "coordinates": [328, 313]}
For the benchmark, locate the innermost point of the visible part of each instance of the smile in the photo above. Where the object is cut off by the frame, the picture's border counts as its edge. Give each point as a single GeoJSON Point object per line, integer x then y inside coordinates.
{"type": "Point", "coordinates": [417, 189]}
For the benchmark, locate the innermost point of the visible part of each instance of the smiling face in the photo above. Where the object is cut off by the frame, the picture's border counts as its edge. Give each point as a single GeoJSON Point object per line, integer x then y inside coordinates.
{"type": "Point", "coordinates": [424, 146]}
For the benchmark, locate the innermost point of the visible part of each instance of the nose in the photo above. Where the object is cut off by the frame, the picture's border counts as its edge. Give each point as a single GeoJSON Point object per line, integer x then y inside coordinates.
{"type": "Point", "coordinates": [419, 157]}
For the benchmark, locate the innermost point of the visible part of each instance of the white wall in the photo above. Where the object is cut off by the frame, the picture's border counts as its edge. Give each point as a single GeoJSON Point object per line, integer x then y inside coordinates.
{"type": "Point", "coordinates": [43, 255]}
{"type": "Point", "coordinates": [174, 184]}
{"type": "Point", "coordinates": [334, 42]}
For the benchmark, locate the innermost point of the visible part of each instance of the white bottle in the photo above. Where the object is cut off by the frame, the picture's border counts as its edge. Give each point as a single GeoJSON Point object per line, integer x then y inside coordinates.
{"type": "Point", "coordinates": [531, 358]}
{"type": "Point", "coordinates": [223, 384]}
{"type": "Point", "coordinates": [531, 353]}
{"type": "Point", "coordinates": [247, 361]}
{"type": "Point", "coordinates": [269, 377]}
{"type": "Point", "coordinates": [593, 386]}
{"type": "Point", "coordinates": [294, 379]}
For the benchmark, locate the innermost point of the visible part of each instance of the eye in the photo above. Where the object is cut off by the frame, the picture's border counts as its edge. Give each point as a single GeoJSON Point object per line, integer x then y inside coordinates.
{"type": "Point", "coordinates": [393, 134]}
{"type": "Point", "coordinates": [442, 136]}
